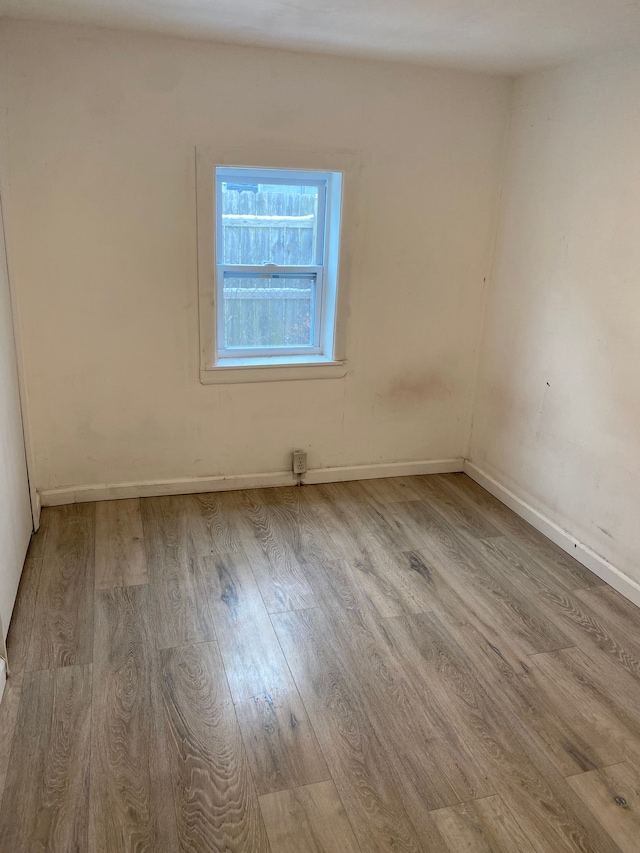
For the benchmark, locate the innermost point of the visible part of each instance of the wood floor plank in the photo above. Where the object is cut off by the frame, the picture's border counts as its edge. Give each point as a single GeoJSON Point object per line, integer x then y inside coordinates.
{"type": "Point", "coordinates": [308, 820]}
{"type": "Point", "coordinates": [599, 673]}
{"type": "Point", "coordinates": [120, 554]}
{"type": "Point", "coordinates": [18, 641]}
{"type": "Point", "coordinates": [596, 715]}
{"type": "Point", "coordinates": [215, 800]}
{"type": "Point", "coordinates": [389, 580]}
{"type": "Point", "coordinates": [596, 615]}
{"type": "Point", "coordinates": [303, 531]}
{"type": "Point", "coordinates": [541, 801]}
{"type": "Point", "coordinates": [302, 517]}
{"type": "Point", "coordinates": [437, 770]}
{"type": "Point", "coordinates": [586, 629]}
{"type": "Point", "coordinates": [360, 765]}
{"type": "Point", "coordinates": [463, 517]}
{"type": "Point", "coordinates": [280, 742]}
{"type": "Point", "coordinates": [394, 583]}
{"type": "Point", "coordinates": [62, 633]}
{"type": "Point", "coordinates": [393, 489]}
{"type": "Point", "coordinates": [612, 608]}
{"type": "Point", "coordinates": [386, 588]}
{"type": "Point", "coordinates": [22, 619]}
{"type": "Point", "coordinates": [366, 511]}
{"type": "Point", "coordinates": [508, 560]}
{"type": "Point", "coordinates": [46, 798]}
{"type": "Point", "coordinates": [336, 511]}
{"type": "Point", "coordinates": [463, 568]}
{"type": "Point", "coordinates": [324, 527]}
{"type": "Point", "coordinates": [210, 518]}
{"type": "Point", "coordinates": [574, 823]}
{"type": "Point", "coordinates": [561, 732]}
{"type": "Point", "coordinates": [8, 718]}
{"type": "Point", "coordinates": [605, 703]}
{"type": "Point", "coordinates": [179, 597]}
{"type": "Point", "coordinates": [283, 496]}
{"type": "Point", "coordinates": [253, 658]}
{"type": "Point", "coordinates": [278, 574]}
{"type": "Point", "coordinates": [613, 795]}
{"type": "Point", "coordinates": [483, 826]}
{"type": "Point", "coordinates": [131, 807]}
{"type": "Point", "coordinates": [522, 535]}
{"type": "Point", "coordinates": [469, 617]}
{"type": "Point", "coordinates": [362, 527]}
{"type": "Point", "coordinates": [571, 726]}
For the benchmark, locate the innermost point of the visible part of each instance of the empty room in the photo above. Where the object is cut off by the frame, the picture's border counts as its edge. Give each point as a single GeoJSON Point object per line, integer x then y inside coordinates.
{"type": "Point", "coordinates": [319, 426]}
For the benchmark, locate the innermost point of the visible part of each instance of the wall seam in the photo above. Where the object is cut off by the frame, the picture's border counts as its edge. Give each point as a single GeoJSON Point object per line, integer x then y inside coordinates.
{"type": "Point", "coordinates": [498, 216]}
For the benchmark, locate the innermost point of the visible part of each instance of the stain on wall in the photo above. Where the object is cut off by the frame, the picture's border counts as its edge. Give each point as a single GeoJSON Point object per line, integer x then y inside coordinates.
{"type": "Point", "coordinates": [415, 389]}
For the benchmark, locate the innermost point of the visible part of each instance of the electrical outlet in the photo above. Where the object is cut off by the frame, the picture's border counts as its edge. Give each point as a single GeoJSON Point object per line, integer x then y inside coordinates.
{"type": "Point", "coordinates": [299, 459]}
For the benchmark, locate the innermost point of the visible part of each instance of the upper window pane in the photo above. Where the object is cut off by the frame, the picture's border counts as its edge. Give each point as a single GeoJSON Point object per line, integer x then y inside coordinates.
{"type": "Point", "coordinates": [275, 223]}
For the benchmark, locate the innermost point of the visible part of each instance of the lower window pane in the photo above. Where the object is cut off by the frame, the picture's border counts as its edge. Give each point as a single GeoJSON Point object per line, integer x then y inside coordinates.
{"type": "Point", "coordinates": [268, 310]}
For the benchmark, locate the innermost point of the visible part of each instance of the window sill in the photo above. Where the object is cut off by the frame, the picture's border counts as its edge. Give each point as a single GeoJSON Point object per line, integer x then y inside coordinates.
{"type": "Point", "coordinates": [282, 369]}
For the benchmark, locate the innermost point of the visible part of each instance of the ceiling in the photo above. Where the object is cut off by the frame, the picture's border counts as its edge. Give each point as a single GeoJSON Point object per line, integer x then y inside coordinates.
{"type": "Point", "coordinates": [493, 35]}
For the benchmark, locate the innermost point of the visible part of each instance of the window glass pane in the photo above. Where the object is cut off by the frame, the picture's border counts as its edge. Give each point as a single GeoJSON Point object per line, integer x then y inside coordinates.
{"type": "Point", "coordinates": [269, 224]}
{"type": "Point", "coordinates": [268, 310]}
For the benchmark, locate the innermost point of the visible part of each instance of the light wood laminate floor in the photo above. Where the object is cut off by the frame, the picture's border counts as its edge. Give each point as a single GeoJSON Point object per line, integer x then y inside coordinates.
{"type": "Point", "coordinates": [387, 665]}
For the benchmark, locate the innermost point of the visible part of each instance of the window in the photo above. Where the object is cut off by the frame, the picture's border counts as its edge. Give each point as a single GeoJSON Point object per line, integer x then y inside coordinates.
{"type": "Point", "coordinates": [270, 262]}
{"type": "Point", "coordinates": [277, 237]}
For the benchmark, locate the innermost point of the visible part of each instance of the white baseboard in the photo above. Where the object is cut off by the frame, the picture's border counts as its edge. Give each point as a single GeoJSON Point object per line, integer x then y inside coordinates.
{"type": "Point", "coordinates": [577, 549]}
{"type": "Point", "coordinates": [383, 469]}
{"type": "Point", "coordinates": [3, 677]}
{"type": "Point", "coordinates": [153, 488]}
{"type": "Point", "coordinates": [36, 507]}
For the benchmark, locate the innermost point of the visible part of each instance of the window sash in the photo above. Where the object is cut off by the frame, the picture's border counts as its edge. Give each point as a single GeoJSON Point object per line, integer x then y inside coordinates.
{"type": "Point", "coordinates": [282, 177]}
{"type": "Point", "coordinates": [270, 270]}
{"type": "Point", "coordinates": [298, 178]}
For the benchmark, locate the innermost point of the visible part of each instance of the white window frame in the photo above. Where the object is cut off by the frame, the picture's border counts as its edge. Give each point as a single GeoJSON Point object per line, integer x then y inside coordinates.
{"type": "Point", "coordinates": [327, 229]}
{"type": "Point", "coordinates": [327, 357]}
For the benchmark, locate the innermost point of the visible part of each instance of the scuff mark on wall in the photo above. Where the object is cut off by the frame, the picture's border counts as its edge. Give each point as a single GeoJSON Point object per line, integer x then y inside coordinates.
{"type": "Point", "coordinates": [415, 389]}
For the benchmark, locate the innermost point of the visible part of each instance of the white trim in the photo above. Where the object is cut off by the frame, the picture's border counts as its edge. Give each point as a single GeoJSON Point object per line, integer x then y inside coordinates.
{"type": "Point", "coordinates": [37, 508]}
{"type": "Point", "coordinates": [347, 164]}
{"type": "Point", "coordinates": [3, 677]}
{"type": "Point", "coordinates": [153, 488]}
{"type": "Point", "coordinates": [284, 369]}
{"type": "Point", "coordinates": [382, 469]}
{"type": "Point", "coordinates": [318, 269]}
{"type": "Point", "coordinates": [316, 276]}
{"type": "Point", "coordinates": [577, 549]}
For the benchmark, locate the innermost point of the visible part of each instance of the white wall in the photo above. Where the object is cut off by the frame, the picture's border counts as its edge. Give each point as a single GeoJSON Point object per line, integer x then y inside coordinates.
{"type": "Point", "coordinates": [15, 508]}
{"type": "Point", "coordinates": [102, 128]}
{"type": "Point", "coordinates": [558, 399]}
